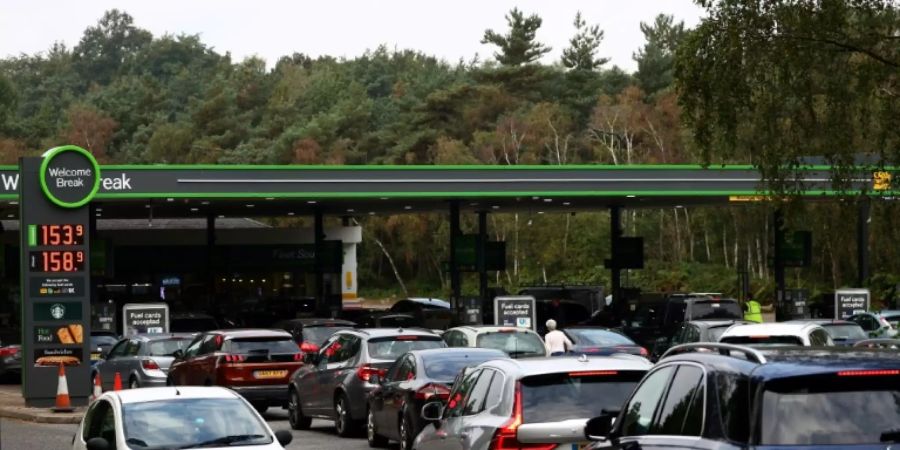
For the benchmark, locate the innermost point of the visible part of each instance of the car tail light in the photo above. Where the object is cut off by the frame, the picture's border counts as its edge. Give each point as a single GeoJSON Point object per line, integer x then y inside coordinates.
{"type": "Point", "coordinates": [298, 356]}
{"type": "Point", "coordinates": [234, 358]}
{"type": "Point", "coordinates": [407, 338]}
{"type": "Point", "coordinates": [308, 347]}
{"type": "Point", "coordinates": [593, 373]}
{"type": "Point", "coordinates": [365, 372]}
{"type": "Point", "coordinates": [8, 351]}
{"type": "Point", "coordinates": [149, 364]}
{"type": "Point", "coordinates": [508, 330]}
{"type": "Point", "coordinates": [505, 437]}
{"type": "Point", "coordinates": [867, 373]}
{"type": "Point", "coordinates": [644, 352]}
{"type": "Point", "coordinates": [433, 390]}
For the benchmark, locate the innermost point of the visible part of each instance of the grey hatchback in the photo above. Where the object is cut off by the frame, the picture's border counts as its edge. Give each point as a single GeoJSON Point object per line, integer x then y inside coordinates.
{"type": "Point", "coordinates": [141, 361]}
{"type": "Point", "coordinates": [334, 384]}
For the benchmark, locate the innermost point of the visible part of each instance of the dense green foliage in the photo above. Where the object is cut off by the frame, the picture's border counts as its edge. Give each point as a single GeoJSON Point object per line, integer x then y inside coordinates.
{"type": "Point", "coordinates": [130, 97]}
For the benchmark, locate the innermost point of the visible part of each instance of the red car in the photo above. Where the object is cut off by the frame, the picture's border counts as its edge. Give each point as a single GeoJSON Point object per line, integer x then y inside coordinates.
{"type": "Point", "coordinates": [257, 364]}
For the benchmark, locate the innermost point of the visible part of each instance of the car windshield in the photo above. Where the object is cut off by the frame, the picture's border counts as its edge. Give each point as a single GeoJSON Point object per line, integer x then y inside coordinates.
{"type": "Point", "coordinates": [253, 345]}
{"type": "Point", "coordinates": [562, 396]}
{"type": "Point", "coordinates": [192, 423]}
{"type": "Point", "coordinates": [832, 410]}
{"type": "Point", "coordinates": [845, 332]}
{"type": "Point", "coordinates": [763, 341]}
{"type": "Point", "coordinates": [193, 325]}
{"type": "Point", "coordinates": [602, 338]}
{"type": "Point", "coordinates": [392, 347]}
{"type": "Point", "coordinates": [515, 343]}
{"type": "Point", "coordinates": [715, 309]}
{"type": "Point", "coordinates": [319, 334]}
{"type": "Point", "coordinates": [103, 341]}
{"type": "Point", "coordinates": [445, 366]}
{"type": "Point", "coordinates": [166, 347]}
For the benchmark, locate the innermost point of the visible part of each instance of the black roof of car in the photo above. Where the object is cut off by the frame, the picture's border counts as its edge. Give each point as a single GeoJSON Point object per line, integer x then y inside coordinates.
{"type": "Point", "coordinates": [389, 332]}
{"type": "Point", "coordinates": [786, 362]}
{"type": "Point", "coordinates": [319, 322]}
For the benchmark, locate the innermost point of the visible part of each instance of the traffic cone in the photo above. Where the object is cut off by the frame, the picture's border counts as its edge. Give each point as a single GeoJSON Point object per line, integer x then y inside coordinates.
{"type": "Point", "coordinates": [117, 382]}
{"type": "Point", "coordinates": [98, 389]}
{"type": "Point", "coordinates": [63, 404]}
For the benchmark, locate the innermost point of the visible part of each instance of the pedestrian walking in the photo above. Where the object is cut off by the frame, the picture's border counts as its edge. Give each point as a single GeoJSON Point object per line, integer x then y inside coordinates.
{"type": "Point", "coordinates": [555, 341]}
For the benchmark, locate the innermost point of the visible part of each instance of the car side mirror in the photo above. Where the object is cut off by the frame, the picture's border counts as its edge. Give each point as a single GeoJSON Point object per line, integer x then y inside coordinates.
{"type": "Point", "coordinates": [97, 443]}
{"type": "Point", "coordinates": [599, 428]}
{"type": "Point", "coordinates": [284, 437]}
{"type": "Point", "coordinates": [178, 354]}
{"type": "Point", "coordinates": [432, 411]}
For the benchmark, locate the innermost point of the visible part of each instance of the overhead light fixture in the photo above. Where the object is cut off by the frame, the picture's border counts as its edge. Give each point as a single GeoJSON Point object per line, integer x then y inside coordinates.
{"type": "Point", "coordinates": [13, 202]}
{"type": "Point", "coordinates": [10, 216]}
{"type": "Point", "coordinates": [384, 198]}
{"type": "Point", "coordinates": [147, 206]}
{"type": "Point", "coordinates": [221, 216]}
{"type": "Point", "coordinates": [495, 207]}
{"type": "Point", "coordinates": [679, 206]}
{"type": "Point", "coordinates": [371, 213]}
{"type": "Point", "coordinates": [170, 199]}
{"type": "Point", "coordinates": [535, 198]}
{"type": "Point", "coordinates": [311, 202]}
{"type": "Point", "coordinates": [195, 209]}
{"type": "Point", "coordinates": [407, 207]}
{"type": "Point", "coordinates": [540, 212]}
{"type": "Point", "coordinates": [270, 198]}
{"type": "Point", "coordinates": [204, 202]}
{"type": "Point", "coordinates": [473, 204]}
{"type": "Point", "coordinates": [291, 213]}
{"type": "Point", "coordinates": [250, 205]}
{"type": "Point", "coordinates": [350, 210]}
{"type": "Point", "coordinates": [98, 214]}
{"type": "Point", "coordinates": [631, 196]}
{"type": "Point", "coordinates": [548, 200]}
{"type": "Point", "coordinates": [566, 203]}
{"type": "Point", "coordinates": [98, 209]}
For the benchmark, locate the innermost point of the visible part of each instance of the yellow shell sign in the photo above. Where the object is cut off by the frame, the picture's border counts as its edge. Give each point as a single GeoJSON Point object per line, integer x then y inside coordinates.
{"type": "Point", "coordinates": [881, 181]}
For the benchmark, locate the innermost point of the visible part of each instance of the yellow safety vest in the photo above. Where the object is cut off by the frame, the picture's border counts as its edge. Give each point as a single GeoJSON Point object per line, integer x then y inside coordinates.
{"type": "Point", "coordinates": [753, 312]}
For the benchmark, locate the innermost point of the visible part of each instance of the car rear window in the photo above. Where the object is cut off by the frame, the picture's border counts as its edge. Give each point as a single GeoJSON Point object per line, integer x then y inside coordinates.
{"type": "Point", "coordinates": [193, 325]}
{"type": "Point", "coordinates": [847, 408]}
{"type": "Point", "coordinates": [513, 343]}
{"type": "Point", "coordinates": [562, 396]}
{"type": "Point", "coordinates": [103, 341]}
{"type": "Point", "coordinates": [258, 345]}
{"type": "Point", "coordinates": [893, 320]}
{"type": "Point", "coordinates": [845, 332]}
{"type": "Point", "coordinates": [603, 338]}
{"type": "Point", "coordinates": [714, 309]}
{"type": "Point", "coordinates": [716, 332]}
{"type": "Point", "coordinates": [392, 347]}
{"type": "Point", "coordinates": [320, 333]}
{"type": "Point", "coordinates": [166, 347]}
{"type": "Point", "coordinates": [772, 341]}
{"type": "Point", "coordinates": [445, 367]}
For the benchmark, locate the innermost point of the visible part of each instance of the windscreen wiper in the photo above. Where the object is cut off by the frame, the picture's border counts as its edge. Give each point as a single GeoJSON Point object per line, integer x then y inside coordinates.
{"type": "Point", "coordinates": [224, 440]}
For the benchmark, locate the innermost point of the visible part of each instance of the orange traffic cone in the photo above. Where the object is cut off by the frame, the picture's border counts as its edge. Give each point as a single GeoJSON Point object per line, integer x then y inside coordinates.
{"type": "Point", "coordinates": [117, 382]}
{"type": "Point", "coordinates": [63, 404]}
{"type": "Point", "coordinates": [98, 388]}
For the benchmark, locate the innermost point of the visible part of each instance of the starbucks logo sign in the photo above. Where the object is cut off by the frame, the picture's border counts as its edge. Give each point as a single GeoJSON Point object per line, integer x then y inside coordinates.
{"type": "Point", "coordinates": [57, 311]}
{"type": "Point", "coordinates": [70, 176]}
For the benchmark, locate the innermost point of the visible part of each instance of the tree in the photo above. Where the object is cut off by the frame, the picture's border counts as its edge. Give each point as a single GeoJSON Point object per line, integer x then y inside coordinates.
{"type": "Point", "coordinates": [657, 57]}
{"type": "Point", "coordinates": [519, 45]}
{"type": "Point", "coordinates": [105, 48]}
{"type": "Point", "coordinates": [90, 129]}
{"type": "Point", "coordinates": [582, 51]}
{"type": "Point", "coordinates": [775, 81]}
{"type": "Point", "coordinates": [7, 102]}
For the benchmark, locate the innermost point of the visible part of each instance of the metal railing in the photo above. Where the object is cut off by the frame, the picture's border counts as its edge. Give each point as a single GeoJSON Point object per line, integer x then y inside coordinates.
{"type": "Point", "coordinates": [724, 349]}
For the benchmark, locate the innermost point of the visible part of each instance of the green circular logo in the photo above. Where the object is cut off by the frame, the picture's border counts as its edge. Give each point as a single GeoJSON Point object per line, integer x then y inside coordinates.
{"type": "Point", "coordinates": [70, 176]}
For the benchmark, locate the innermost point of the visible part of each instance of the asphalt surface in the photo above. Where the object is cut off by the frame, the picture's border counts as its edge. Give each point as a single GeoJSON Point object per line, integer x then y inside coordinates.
{"type": "Point", "coordinates": [16, 435]}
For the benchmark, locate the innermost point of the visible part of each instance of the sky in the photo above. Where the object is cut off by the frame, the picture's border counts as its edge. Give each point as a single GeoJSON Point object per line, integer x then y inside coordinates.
{"type": "Point", "coordinates": [269, 29]}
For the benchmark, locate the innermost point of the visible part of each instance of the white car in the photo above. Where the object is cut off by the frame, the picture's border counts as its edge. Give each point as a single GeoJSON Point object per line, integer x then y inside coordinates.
{"type": "Point", "coordinates": [785, 333]}
{"type": "Point", "coordinates": [175, 417]}
{"type": "Point", "coordinates": [516, 342]}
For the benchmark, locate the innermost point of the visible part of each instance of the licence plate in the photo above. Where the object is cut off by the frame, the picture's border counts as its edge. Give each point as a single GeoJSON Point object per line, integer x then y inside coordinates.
{"type": "Point", "coordinates": [95, 357]}
{"type": "Point", "coordinates": [264, 374]}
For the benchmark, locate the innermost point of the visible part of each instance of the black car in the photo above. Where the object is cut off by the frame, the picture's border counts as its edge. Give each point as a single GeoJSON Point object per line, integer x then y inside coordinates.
{"type": "Point", "coordinates": [415, 379]}
{"type": "Point", "coordinates": [601, 341]}
{"type": "Point", "coordinates": [653, 317]}
{"type": "Point", "coordinates": [430, 313]}
{"type": "Point", "coordinates": [736, 397]}
{"type": "Point", "coordinates": [334, 384]}
{"type": "Point", "coordinates": [694, 331]}
{"type": "Point", "coordinates": [311, 333]}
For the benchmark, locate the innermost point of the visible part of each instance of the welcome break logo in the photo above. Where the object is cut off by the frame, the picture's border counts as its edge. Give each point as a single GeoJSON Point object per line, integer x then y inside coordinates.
{"type": "Point", "coordinates": [70, 176]}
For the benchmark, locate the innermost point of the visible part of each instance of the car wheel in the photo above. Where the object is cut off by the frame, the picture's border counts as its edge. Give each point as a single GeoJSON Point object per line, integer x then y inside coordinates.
{"type": "Point", "coordinates": [343, 423]}
{"type": "Point", "coordinates": [375, 440]}
{"type": "Point", "coordinates": [133, 383]}
{"type": "Point", "coordinates": [295, 414]}
{"type": "Point", "coordinates": [407, 434]}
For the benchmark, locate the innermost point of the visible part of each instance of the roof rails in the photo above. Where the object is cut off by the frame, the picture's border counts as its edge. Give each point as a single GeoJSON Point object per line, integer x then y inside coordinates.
{"type": "Point", "coordinates": [724, 349]}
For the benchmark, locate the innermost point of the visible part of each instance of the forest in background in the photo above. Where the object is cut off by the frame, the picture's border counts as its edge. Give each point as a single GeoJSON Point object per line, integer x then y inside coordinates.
{"type": "Point", "coordinates": [729, 91]}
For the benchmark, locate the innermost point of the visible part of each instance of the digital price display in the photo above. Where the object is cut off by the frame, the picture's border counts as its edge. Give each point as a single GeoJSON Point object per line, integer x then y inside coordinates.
{"type": "Point", "coordinates": [63, 234]}
{"type": "Point", "coordinates": [56, 261]}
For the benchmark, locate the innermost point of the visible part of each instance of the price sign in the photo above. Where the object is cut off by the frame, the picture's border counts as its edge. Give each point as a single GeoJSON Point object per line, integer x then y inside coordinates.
{"type": "Point", "coordinates": [54, 261]}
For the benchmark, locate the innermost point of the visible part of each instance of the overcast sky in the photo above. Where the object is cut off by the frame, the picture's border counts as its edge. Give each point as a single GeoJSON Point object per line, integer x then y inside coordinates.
{"type": "Point", "coordinates": [269, 29]}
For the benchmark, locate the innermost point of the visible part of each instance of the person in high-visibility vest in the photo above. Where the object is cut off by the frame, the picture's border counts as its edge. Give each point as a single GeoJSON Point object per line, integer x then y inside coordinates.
{"type": "Point", "coordinates": [753, 312]}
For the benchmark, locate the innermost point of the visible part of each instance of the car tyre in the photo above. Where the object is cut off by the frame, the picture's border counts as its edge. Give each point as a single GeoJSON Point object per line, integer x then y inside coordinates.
{"type": "Point", "coordinates": [295, 413]}
{"type": "Point", "coordinates": [343, 423]}
{"type": "Point", "coordinates": [406, 432]}
{"type": "Point", "coordinates": [375, 440]}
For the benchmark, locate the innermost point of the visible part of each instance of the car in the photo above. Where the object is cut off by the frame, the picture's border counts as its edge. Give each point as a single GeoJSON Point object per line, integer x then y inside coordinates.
{"type": "Point", "coordinates": [389, 320]}
{"type": "Point", "coordinates": [101, 343]}
{"type": "Point", "coordinates": [842, 332]}
{"type": "Point", "coordinates": [335, 383]}
{"type": "Point", "coordinates": [529, 403]}
{"type": "Point", "coordinates": [310, 333]}
{"type": "Point", "coordinates": [415, 379]}
{"type": "Point", "coordinates": [878, 325]}
{"type": "Point", "coordinates": [11, 361]}
{"type": "Point", "coordinates": [601, 341]}
{"type": "Point", "coordinates": [140, 360]}
{"type": "Point", "coordinates": [255, 363]}
{"type": "Point", "coordinates": [175, 417]}
{"type": "Point", "coordinates": [736, 397]}
{"type": "Point", "coordinates": [695, 331]}
{"type": "Point", "coordinates": [192, 323]}
{"type": "Point", "coordinates": [432, 313]}
{"type": "Point", "coordinates": [778, 334]}
{"type": "Point", "coordinates": [893, 344]}
{"type": "Point", "coordinates": [516, 342]}
{"type": "Point", "coordinates": [656, 316]}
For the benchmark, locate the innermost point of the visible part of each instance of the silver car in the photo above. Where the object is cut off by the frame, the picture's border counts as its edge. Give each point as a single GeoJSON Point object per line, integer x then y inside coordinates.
{"type": "Point", "coordinates": [140, 361]}
{"type": "Point", "coordinates": [529, 403]}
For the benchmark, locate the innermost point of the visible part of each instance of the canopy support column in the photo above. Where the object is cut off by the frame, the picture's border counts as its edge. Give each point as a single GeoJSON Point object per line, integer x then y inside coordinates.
{"type": "Point", "coordinates": [862, 241]}
{"type": "Point", "coordinates": [455, 282]}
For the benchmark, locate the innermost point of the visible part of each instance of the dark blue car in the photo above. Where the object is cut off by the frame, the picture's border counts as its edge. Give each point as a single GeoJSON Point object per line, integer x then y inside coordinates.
{"type": "Point", "coordinates": [733, 397]}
